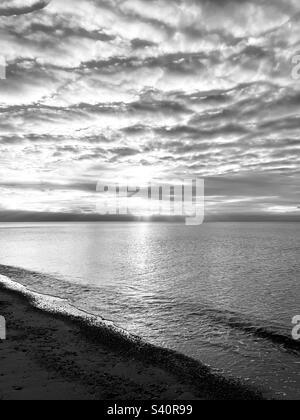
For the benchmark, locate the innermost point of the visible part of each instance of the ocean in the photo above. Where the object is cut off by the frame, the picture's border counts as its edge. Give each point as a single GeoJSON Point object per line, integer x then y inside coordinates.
{"type": "Point", "coordinates": [222, 293]}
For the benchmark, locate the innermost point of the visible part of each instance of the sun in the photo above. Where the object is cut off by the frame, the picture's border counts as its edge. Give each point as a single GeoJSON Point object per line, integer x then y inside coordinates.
{"type": "Point", "coordinates": [140, 176]}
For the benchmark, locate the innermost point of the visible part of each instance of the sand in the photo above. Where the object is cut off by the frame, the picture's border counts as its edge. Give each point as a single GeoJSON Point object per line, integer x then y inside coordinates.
{"type": "Point", "coordinates": [51, 357]}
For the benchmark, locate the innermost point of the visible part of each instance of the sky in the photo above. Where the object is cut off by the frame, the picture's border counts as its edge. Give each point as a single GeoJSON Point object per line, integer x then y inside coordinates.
{"type": "Point", "coordinates": [150, 90]}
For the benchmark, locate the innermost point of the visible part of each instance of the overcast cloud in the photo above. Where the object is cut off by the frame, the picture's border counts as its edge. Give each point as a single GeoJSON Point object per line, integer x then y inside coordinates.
{"type": "Point", "coordinates": [150, 88]}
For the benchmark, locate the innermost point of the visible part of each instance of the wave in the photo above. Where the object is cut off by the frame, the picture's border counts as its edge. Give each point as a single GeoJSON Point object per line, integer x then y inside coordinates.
{"type": "Point", "coordinates": [255, 328]}
{"type": "Point", "coordinates": [108, 334]}
{"type": "Point", "coordinates": [258, 328]}
{"type": "Point", "coordinates": [252, 327]}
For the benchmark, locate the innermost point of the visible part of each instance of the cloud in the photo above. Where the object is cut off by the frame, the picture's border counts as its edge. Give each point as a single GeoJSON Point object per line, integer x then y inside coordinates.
{"type": "Point", "coordinates": [21, 7]}
{"type": "Point", "coordinates": [184, 88]}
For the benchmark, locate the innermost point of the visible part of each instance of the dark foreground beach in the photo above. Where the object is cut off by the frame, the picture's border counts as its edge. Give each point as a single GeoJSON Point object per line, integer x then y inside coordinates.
{"type": "Point", "coordinates": [51, 356]}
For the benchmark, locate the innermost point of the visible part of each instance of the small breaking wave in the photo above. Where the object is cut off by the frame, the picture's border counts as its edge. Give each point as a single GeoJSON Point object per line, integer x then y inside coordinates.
{"type": "Point", "coordinates": [250, 327]}
{"type": "Point", "coordinates": [108, 334]}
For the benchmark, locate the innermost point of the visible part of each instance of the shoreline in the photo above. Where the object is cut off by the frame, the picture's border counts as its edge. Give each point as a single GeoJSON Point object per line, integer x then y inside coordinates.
{"type": "Point", "coordinates": [59, 355]}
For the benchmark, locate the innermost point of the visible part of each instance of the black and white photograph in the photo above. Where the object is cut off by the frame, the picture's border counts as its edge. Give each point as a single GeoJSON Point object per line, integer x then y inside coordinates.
{"type": "Point", "coordinates": [149, 203]}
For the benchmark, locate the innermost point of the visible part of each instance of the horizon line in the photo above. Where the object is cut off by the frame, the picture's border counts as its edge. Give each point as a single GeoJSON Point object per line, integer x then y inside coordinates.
{"type": "Point", "coordinates": [60, 217]}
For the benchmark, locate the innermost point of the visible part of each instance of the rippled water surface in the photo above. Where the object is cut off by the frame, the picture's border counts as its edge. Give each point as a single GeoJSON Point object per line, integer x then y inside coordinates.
{"type": "Point", "coordinates": [222, 293]}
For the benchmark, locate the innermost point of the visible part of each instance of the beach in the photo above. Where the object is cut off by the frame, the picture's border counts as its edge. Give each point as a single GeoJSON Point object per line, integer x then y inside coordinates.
{"type": "Point", "coordinates": [55, 357]}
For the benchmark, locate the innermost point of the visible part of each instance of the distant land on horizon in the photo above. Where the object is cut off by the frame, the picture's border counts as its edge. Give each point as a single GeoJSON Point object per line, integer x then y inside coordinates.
{"type": "Point", "coordinates": [23, 216]}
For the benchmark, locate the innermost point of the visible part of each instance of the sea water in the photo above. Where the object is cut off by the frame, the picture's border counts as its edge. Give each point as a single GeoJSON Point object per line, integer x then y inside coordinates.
{"type": "Point", "coordinates": [222, 293]}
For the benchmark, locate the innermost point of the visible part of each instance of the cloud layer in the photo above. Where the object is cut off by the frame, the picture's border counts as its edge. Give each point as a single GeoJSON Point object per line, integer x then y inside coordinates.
{"type": "Point", "coordinates": [21, 7]}
{"type": "Point", "coordinates": [150, 88]}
